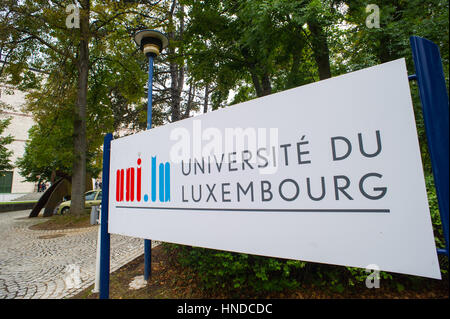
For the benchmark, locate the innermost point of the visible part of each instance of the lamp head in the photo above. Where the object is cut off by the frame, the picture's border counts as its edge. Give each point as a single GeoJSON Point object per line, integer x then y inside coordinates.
{"type": "Point", "coordinates": [151, 42]}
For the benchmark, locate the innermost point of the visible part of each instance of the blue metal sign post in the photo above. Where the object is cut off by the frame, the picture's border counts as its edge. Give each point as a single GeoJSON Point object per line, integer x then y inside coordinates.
{"type": "Point", "coordinates": [151, 42]}
{"type": "Point", "coordinates": [435, 107]}
{"type": "Point", "coordinates": [148, 242]}
{"type": "Point", "coordinates": [105, 237]}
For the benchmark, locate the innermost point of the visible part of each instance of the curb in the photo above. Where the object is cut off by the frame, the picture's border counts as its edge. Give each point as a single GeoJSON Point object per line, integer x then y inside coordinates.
{"type": "Point", "coordinates": [16, 206]}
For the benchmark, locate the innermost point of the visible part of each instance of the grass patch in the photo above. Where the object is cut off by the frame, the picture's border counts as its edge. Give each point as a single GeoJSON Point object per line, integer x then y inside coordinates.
{"type": "Point", "coordinates": [58, 222]}
{"type": "Point", "coordinates": [21, 202]}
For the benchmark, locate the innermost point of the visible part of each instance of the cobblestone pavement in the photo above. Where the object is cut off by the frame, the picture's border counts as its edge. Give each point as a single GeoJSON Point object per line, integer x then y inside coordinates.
{"type": "Point", "coordinates": [53, 264]}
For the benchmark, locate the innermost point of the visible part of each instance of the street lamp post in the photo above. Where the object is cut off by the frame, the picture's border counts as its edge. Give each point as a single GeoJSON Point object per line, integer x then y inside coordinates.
{"type": "Point", "coordinates": [151, 43]}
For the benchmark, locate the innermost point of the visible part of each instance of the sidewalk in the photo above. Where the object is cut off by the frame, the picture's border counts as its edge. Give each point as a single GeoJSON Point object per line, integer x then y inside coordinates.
{"type": "Point", "coordinates": [55, 264]}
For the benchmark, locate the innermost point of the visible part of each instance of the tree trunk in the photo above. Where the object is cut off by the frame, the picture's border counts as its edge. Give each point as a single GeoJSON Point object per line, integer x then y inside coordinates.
{"type": "Point", "coordinates": [176, 71]}
{"type": "Point", "coordinates": [79, 133]}
{"type": "Point", "coordinates": [206, 101]}
{"type": "Point", "coordinates": [175, 98]}
{"type": "Point", "coordinates": [256, 83]}
{"type": "Point", "coordinates": [293, 78]}
{"type": "Point", "coordinates": [260, 77]}
{"type": "Point", "coordinates": [190, 101]}
{"type": "Point", "coordinates": [320, 48]}
{"type": "Point", "coordinates": [262, 86]}
{"type": "Point", "coordinates": [266, 86]}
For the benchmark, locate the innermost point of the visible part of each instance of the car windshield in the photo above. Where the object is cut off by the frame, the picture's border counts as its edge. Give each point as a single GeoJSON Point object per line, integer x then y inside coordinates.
{"type": "Point", "coordinates": [99, 197]}
{"type": "Point", "coordinates": [90, 196]}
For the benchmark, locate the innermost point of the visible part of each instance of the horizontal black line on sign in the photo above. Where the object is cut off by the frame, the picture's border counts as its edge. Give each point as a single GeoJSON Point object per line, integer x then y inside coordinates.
{"type": "Point", "coordinates": [319, 210]}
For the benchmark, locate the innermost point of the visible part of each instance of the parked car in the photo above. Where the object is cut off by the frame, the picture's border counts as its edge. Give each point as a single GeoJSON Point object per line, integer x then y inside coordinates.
{"type": "Point", "coordinates": [92, 198]}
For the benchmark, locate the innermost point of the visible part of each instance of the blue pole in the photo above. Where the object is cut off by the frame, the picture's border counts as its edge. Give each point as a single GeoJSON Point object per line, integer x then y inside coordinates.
{"type": "Point", "coordinates": [105, 237]}
{"type": "Point", "coordinates": [435, 108]}
{"type": "Point", "coordinates": [150, 91]}
{"type": "Point", "coordinates": [148, 242]}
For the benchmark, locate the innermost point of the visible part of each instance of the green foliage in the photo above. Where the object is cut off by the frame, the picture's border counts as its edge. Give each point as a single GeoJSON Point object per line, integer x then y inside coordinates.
{"type": "Point", "coordinates": [359, 276]}
{"type": "Point", "coordinates": [434, 211]}
{"type": "Point", "coordinates": [362, 47]}
{"type": "Point", "coordinates": [225, 270]}
{"type": "Point", "coordinates": [34, 36]}
{"type": "Point", "coordinates": [259, 43]}
{"type": "Point", "coordinates": [49, 149]}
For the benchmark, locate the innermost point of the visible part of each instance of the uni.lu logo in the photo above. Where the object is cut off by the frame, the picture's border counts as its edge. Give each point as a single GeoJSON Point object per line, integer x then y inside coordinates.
{"type": "Point", "coordinates": [127, 187]}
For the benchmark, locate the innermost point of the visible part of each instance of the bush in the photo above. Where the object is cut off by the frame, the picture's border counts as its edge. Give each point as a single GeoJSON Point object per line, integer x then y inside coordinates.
{"type": "Point", "coordinates": [434, 211]}
{"type": "Point", "coordinates": [226, 270]}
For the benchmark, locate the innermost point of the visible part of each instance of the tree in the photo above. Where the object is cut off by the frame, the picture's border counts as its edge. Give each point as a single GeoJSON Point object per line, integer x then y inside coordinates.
{"type": "Point", "coordinates": [399, 20]}
{"type": "Point", "coordinates": [364, 46]}
{"type": "Point", "coordinates": [40, 27]}
{"type": "Point", "coordinates": [28, 28]}
{"type": "Point", "coordinates": [270, 45]}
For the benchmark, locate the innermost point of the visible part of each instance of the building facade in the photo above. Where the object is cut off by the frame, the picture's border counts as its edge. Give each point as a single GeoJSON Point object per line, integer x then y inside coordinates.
{"type": "Point", "coordinates": [21, 122]}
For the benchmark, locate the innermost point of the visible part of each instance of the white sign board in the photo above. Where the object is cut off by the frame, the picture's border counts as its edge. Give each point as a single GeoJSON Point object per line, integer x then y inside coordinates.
{"type": "Point", "coordinates": [328, 172]}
